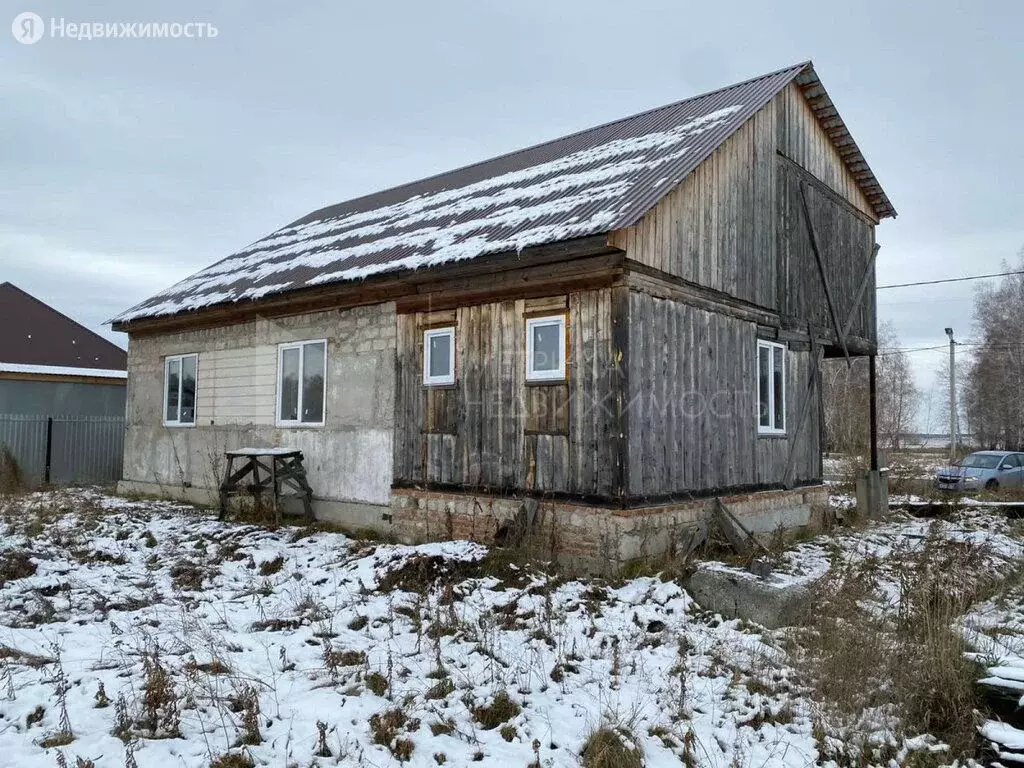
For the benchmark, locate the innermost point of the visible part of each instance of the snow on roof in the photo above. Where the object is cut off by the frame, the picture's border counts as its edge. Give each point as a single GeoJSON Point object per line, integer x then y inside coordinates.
{"type": "Point", "coordinates": [62, 370]}
{"type": "Point", "coordinates": [585, 184]}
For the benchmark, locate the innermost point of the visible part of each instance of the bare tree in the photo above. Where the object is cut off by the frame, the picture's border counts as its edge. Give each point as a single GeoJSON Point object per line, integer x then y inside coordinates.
{"type": "Point", "coordinates": [993, 391]}
{"type": "Point", "coordinates": [845, 392]}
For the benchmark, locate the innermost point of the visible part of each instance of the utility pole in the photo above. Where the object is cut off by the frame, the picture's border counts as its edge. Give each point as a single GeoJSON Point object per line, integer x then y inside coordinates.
{"type": "Point", "coordinates": [952, 396]}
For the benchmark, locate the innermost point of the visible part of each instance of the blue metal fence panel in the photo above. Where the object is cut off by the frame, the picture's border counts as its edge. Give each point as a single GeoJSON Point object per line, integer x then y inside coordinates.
{"type": "Point", "coordinates": [83, 449]}
{"type": "Point", "coordinates": [25, 437]}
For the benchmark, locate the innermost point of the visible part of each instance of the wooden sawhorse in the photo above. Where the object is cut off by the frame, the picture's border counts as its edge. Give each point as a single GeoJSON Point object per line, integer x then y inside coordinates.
{"type": "Point", "coordinates": [271, 469]}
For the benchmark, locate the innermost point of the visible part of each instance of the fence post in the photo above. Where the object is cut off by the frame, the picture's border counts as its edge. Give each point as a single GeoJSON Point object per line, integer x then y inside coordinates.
{"type": "Point", "coordinates": [49, 448]}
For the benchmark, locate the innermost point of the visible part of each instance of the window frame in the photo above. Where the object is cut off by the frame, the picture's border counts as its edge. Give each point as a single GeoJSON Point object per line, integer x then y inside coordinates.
{"type": "Point", "coordinates": [775, 348]}
{"type": "Point", "coordinates": [533, 375]}
{"type": "Point", "coordinates": [168, 359]}
{"type": "Point", "coordinates": [302, 365]}
{"type": "Point", "coordinates": [448, 379]}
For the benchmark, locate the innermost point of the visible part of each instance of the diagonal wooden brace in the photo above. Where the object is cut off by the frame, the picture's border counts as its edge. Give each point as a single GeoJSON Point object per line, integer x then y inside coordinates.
{"type": "Point", "coordinates": [869, 270]}
{"type": "Point", "coordinates": [821, 271]}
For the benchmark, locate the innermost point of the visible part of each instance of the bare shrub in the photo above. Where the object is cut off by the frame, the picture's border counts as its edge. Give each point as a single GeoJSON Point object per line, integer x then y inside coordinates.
{"type": "Point", "coordinates": [249, 699]}
{"type": "Point", "coordinates": [160, 714]}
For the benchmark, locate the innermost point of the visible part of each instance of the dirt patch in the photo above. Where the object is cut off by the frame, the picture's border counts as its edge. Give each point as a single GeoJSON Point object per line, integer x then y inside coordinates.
{"type": "Point", "coordinates": [422, 573]}
{"type": "Point", "coordinates": [16, 565]}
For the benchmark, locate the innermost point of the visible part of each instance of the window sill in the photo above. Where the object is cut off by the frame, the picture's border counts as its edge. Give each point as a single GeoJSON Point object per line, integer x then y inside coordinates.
{"type": "Point", "coordinates": [546, 382]}
{"type": "Point", "coordinates": [179, 424]}
{"type": "Point", "coordinates": [773, 435]}
{"type": "Point", "coordinates": [299, 424]}
{"type": "Point", "coordinates": [439, 385]}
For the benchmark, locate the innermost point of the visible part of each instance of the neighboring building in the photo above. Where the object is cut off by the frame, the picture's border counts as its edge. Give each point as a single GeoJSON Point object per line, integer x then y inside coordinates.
{"type": "Point", "coordinates": [596, 336]}
{"type": "Point", "coordinates": [52, 366]}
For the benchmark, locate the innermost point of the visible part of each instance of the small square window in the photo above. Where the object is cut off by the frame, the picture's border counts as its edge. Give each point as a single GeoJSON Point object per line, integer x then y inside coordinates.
{"type": "Point", "coordinates": [545, 348]}
{"type": "Point", "coordinates": [301, 383]}
{"type": "Point", "coordinates": [439, 356]}
{"type": "Point", "coordinates": [180, 373]}
{"type": "Point", "coordinates": [771, 388]}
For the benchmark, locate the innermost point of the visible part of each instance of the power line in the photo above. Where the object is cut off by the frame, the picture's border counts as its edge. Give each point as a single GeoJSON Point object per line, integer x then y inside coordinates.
{"type": "Point", "coordinates": [949, 280]}
{"type": "Point", "coordinates": [1005, 345]}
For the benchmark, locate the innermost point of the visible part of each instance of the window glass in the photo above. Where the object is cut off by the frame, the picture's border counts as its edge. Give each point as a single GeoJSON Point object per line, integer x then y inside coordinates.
{"type": "Point", "coordinates": [439, 355]}
{"type": "Point", "coordinates": [289, 384]}
{"type": "Point", "coordinates": [764, 355]}
{"type": "Point", "coordinates": [778, 388]}
{"type": "Point", "coordinates": [188, 390]}
{"type": "Point", "coordinates": [547, 347]}
{"type": "Point", "coordinates": [314, 366]}
{"type": "Point", "coordinates": [172, 389]}
{"type": "Point", "coordinates": [981, 461]}
{"type": "Point", "coordinates": [771, 387]}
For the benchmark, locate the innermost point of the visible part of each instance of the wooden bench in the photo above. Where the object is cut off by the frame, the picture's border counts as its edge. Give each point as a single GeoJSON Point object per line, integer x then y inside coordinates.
{"type": "Point", "coordinates": [275, 470]}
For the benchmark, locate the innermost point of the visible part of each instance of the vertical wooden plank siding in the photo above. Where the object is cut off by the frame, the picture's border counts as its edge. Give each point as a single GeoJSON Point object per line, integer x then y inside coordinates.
{"type": "Point", "coordinates": [693, 414]}
{"type": "Point", "coordinates": [492, 429]}
{"type": "Point", "coordinates": [730, 225]}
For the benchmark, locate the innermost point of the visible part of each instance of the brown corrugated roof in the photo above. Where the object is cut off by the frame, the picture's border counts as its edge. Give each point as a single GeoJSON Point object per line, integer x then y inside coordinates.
{"type": "Point", "coordinates": [588, 183]}
{"type": "Point", "coordinates": [34, 333]}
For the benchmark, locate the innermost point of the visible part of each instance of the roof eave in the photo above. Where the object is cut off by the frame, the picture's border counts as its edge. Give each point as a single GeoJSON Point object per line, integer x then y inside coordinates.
{"type": "Point", "coordinates": [832, 123]}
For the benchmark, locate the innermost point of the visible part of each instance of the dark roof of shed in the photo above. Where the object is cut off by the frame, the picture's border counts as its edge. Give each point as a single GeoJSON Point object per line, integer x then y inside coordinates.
{"type": "Point", "coordinates": [34, 333]}
{"type": "Point", "coordinates": [591, 182]}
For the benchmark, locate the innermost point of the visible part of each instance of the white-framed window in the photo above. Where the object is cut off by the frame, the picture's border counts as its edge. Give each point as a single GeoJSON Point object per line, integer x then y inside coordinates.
{"type": "Point", "coordinates": [771, 388]}
{"type": "Point", "coordinates": [301, 383]}
{"type": "Point", "coordinates": [180, 375]}
{"type": "Point", "coordinates": [545, 348]}
{"type": "Point", "coordinates": [439, 356]}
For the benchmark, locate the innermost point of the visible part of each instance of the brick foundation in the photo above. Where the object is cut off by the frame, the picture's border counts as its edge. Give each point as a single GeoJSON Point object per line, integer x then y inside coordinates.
{"type": "Point", "coordinates": [595, 538]}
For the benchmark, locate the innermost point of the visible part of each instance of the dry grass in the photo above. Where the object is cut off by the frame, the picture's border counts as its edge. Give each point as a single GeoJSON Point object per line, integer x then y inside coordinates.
{"type": "Point", "coordinates": [385, 727]}
{"type": "Point", "coordinates": [904, 662]}
{"type": "Point", "coordinates": [612, 747]}
{"type": "Point", "coordinates": [11, 479]}
{"type": "Point", "coordinates": [499, 711]}
{"type": "Point", "coordinates": [232, 760]}
{"type": "Point", "coordinates": [16, 565]}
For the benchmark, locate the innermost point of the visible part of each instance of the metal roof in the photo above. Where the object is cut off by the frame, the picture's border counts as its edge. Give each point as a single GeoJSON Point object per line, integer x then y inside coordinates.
{"type": "Point", "coordinates": [588, 183]}
{"type": "Point", "coordinates": [35, 334]}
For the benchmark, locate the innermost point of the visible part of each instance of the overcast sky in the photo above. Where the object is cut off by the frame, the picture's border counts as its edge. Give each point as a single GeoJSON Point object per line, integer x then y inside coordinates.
{"type": "Point", "coordinates": [129, 164]}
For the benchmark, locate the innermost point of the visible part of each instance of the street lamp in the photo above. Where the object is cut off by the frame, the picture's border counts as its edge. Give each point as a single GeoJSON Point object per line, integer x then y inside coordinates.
{"type": "Point", "coordinates": [952, 396]}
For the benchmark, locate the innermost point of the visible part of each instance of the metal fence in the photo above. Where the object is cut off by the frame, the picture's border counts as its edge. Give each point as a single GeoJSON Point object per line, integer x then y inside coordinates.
{"type": "Point", "coordinates": [65, 450]}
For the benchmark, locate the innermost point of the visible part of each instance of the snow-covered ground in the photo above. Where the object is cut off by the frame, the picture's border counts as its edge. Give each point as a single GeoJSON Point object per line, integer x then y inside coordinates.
{"type": "Point", "coordinates": [148, 631]}
{"type": "Point", "coordinates": [326, 629]}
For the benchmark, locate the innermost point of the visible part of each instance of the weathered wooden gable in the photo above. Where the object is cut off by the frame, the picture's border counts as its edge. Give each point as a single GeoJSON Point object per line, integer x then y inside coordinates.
{"type": "Point", "coordinates": [735, 224]}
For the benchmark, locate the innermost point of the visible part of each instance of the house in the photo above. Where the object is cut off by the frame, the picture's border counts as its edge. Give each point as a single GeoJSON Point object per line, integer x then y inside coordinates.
{"type": "Point", "coordinates": [597, 337]}
{"type": "Point", "coordinates": [52, 366]}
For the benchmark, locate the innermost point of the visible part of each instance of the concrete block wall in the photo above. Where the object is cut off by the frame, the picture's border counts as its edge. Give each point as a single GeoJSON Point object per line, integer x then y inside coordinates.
{"type": "Point", "coordinates": [597, 538]}
{"type": "Point", "coordinates": [348, 460]}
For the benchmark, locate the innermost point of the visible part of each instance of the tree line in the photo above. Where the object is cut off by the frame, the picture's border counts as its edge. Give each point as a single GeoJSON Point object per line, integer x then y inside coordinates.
{"type": "Point", "coordinates": [991, 401]}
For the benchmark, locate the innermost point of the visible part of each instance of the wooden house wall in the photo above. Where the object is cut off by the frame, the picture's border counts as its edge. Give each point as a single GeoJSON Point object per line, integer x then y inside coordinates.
{"type": "Point", "coordinates": [494, 430]}
{"type": "Point", "coordinates": [844, 241]}
{"type": "Point", "coordinates": [731, 225]}
{"type": "Point", "coordinates": [693, 404]}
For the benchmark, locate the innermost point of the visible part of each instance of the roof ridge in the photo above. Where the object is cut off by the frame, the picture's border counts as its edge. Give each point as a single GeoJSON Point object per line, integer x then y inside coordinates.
{"type": "Point", "coordinates": [316, 215]}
